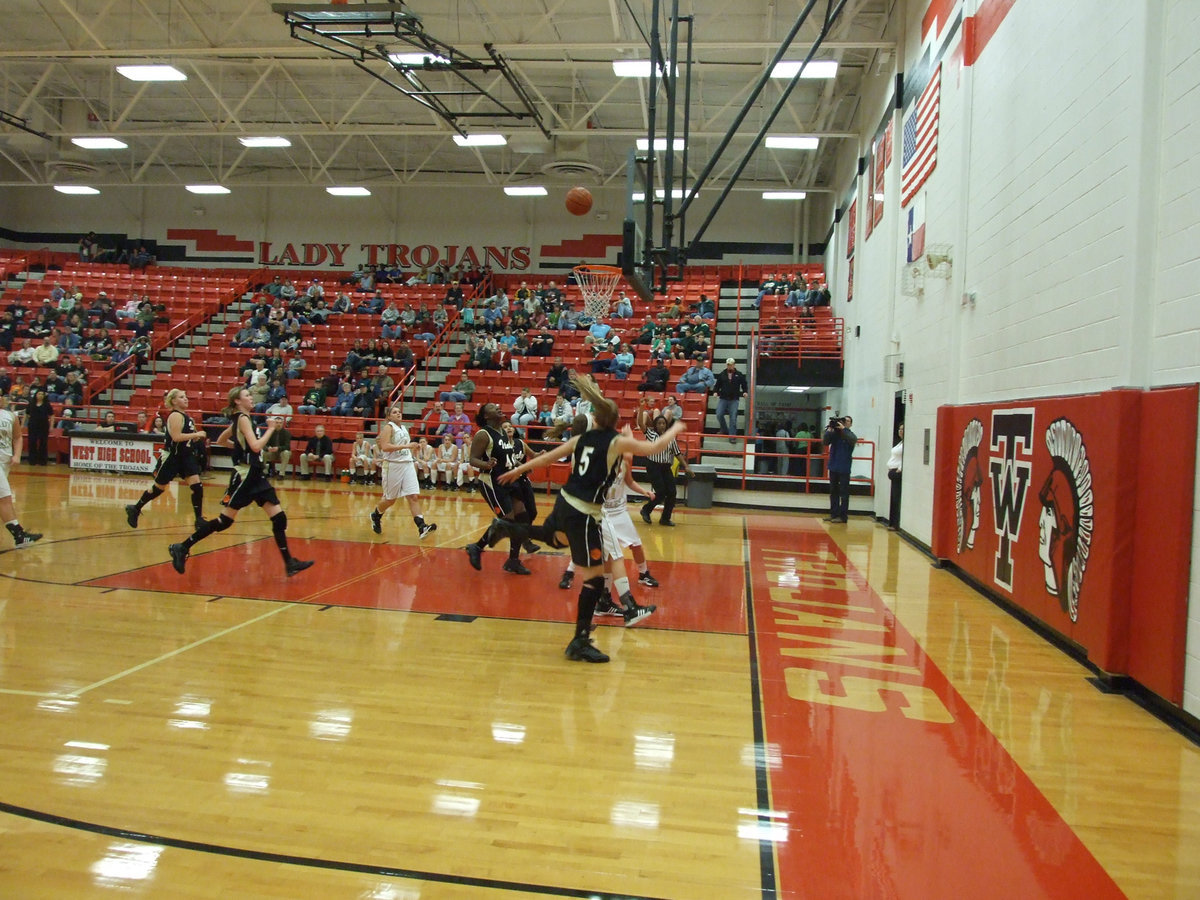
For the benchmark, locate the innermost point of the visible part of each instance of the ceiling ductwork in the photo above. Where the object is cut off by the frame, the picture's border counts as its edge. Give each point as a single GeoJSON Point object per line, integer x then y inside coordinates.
{"type": "Point", "coordinates": [571, 160]}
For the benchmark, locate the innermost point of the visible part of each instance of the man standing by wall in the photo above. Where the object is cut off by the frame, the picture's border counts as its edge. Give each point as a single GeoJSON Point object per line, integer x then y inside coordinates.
{"type": "Point", "coordinates": [731, 388]}
{"type": "Point", "coordinates": [839, 441]}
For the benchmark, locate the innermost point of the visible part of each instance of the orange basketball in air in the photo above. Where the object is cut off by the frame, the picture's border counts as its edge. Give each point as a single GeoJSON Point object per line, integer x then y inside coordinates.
{"type": "Point", "coordinates": [579, 201]}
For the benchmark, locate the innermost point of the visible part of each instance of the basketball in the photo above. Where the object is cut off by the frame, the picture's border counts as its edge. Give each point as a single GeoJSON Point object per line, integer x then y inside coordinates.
{"type": "Point", "coordinates": [579, 201]}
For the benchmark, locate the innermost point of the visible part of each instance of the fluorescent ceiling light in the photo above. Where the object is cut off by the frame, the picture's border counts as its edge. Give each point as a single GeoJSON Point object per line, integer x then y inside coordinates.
{"type": "Point", "coordinates": [207, 189]}
{"type": "Point", "coordinates": [152, 73]}
{"type": "Point", "coordinates": [660, 144]}
{"type": "Point", "coordinates": [791, 142]}
{"type": "Point", "coordinates": [635, 68]}
{"type": "Point", "coordinates": [99, 143]}
{"type": "Point", "coordinates": [783, 195]}
{"type": "Point", "coordinates": [526, 190]}
{"type": "Point", "coordinates": [639, 196]}
{"type": "Point", "coordinates": [676, 194]}
{"type": "Point", "coordinates": [481, 140]}
{"type": "Point", "coordinates": [264, 142]}
{"type": "Point", "coordinates": [348, 191]}
{"type": "Point", "coordinates": [418, 59]}
{"type": "Point", "coordinates": [818, 68]}
{"type": "Point", "coordinates": [794, 389]}
{"type": "Point", "coordinates": [75, 189]}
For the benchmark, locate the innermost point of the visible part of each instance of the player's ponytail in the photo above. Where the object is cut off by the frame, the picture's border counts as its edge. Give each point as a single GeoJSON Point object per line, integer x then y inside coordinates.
{"type": "Point", "coordinates": [604, 411]}
{"type": "Point", "coordinates": [231, 406]}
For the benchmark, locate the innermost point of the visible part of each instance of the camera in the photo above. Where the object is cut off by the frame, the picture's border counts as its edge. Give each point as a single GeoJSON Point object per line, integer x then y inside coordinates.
{"type": "Point", "coordinates": [835, 421]}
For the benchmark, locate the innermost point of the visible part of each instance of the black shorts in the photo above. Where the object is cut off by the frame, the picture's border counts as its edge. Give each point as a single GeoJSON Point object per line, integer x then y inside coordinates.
{"type": "Point", "coordinates": [502, 498]}
{"type": "Point", "coordinates": [176, 465]}
{"type": "Point", "coordinates": [582, 531]}
{"type": "Point", "coordinates": [254, 488]}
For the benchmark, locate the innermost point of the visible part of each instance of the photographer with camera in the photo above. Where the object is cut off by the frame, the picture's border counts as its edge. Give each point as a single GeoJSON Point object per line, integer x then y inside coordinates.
{"type": "Point", "coordinates": [839, 441]}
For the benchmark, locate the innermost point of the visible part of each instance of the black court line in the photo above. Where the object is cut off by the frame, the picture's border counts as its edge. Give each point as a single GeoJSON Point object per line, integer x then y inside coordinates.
{"type": "Point", "coordinates": [313, 862]}
{"type": "Point", "coordinates": [766, 848]}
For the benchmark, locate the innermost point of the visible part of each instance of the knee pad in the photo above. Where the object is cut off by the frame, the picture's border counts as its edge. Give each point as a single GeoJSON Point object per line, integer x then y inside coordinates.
{"type": "Point", "coordinates": [221, 522]}
{"type": "Point", "coordinates": [279, 522]}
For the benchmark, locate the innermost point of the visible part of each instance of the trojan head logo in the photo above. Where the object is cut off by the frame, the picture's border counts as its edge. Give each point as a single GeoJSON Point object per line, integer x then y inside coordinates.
{"type": "Point", "coordinates": [1012, 437]}
{"type": "Point", "coordinates": [968, 483]}
{"type": "Point", "coordinates": [1065, 524]}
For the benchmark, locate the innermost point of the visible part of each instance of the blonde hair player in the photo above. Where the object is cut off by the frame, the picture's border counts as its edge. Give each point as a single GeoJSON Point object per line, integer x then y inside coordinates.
{"type": "Point", "coordinates": [575, 520]}
{"type": "Point", "coordinates": [248, 484]}
{"type": "Point", "coordinates": [399, 474]}
{"type": "Point", "coordinates": [424, 459]}
{"type": "Point", "coordinates": [10, 452]}
{"type": "Point", "coordinates": [617, 532]}
{"type": "Point", "coordinates": [180, 459]}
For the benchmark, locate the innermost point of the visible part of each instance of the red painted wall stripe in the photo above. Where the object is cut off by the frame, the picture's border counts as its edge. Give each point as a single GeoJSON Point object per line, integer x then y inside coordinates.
{"type": "Point", "coordinates": [979, 29]}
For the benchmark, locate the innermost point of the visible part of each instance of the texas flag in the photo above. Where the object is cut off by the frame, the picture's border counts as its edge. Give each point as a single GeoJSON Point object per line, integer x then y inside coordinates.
{"type": "Point", "coordinates": [916, 228]}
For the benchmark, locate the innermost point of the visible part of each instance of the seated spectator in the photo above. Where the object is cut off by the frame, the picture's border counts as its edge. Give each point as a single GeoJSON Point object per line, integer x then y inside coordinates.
{"type": "Point", "coordinates": [109, 422]}
{"type": "Point", "coordinates": [46, 353]}
{"type": "Point", "coordinates": [541, 344]}
{"type": "Point", "coordinates": [424, 460]}
{"type": "Point", "coordinates": [435, 421]}
{"type": "Point", "coordinates": [342, 304]}
{"type": "Point", "coordinates": [344, 400]}
{"type": "Point", "coordinates": [697, 379]}
{"type": "Point", "coordinates": [439, 318]}
{"type": "Point", "coordinates": [68, 389]}
{"type": "Point", "coordinates": [454, 295]}
{"type": "Point", "coordinates": [275, 392]}
{"type": "Point", "coordinates": [705, 309]}
{"type": "Point", "coordinates": [295, 366]}
{"type": "Point", "coordinates": [623, 308]}
{"type": "Point", "coordinates": [459, 426]}
{"type": "Point", "coordinates": [560, 412]}
{"type": "Point", "coordinates": [656, 377]}
{"type": "Point", "coordinates": [318, 451]}
{"type": "Point", "coordinates": [448, 464]}
{"type": "Point", "coordinates": [492, 316]}
{"type": "Point", "coordinates": [363, 403]}
{"type": "Point", "coordinates": [278, 451]}
{"type": "Point", "coordinates": [558, 374]}
{"type": "Point", "coordinates": [314, 399]}
{"type": "Point", "coordinates": [363, 459]}
{"type": "Point", "coordinates": [672, 410]}
{"type": "Point", "coordinates": [525, 409]}
{"type": "Point", "coordinates": [765, 289]}
{"type": "Point", "coordinates": [461, 392]}
{"type": "Point", "coordinates": [372, 306]}
{"type": "Point", "coordinates": [281, 408]}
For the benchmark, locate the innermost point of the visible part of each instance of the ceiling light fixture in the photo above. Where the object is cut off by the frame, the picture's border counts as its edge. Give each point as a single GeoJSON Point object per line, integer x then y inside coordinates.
{"type": "Point", "coordinates": [418, 59]}
{"type": "Point", "coordinates": [635, 68]}
{"type": "Point", "coordinates": [783, 195]}
{"type": "Point", "coordinates": [99, 143]}
{"type": "Point", "coordinates": [817, 68]}
{"type": "Point", "coordinates": [207, 189]}
{"type": "Point", "coordinates": [525, 190]}
{"type": "Point", "coordinates": [481, 140]}
{"type": "Point", "coordinates": [152, 73]}
{"type": "Point", "coordinates": [660, 144]}
{"type": "Point", "coordinates": [791, 142]}
{"type": "Point", "coordinates": [348, 191]}
{"type": "Point", "coordinates": [75, 189]}
{"type": "Point", "coordinates": [264, 142]}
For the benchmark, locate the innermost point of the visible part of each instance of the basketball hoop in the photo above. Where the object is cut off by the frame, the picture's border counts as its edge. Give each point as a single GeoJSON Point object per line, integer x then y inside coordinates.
{"type": "Point", "coordinates": [597, 284]}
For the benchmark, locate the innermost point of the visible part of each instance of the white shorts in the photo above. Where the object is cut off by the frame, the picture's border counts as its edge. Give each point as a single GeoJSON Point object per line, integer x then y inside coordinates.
{"type": "Point", "coordinates": [399, 480]}
{"type": "Point", "coordinates": [5, 490]}
{"type": "Point", "coordinates": [617, 533]}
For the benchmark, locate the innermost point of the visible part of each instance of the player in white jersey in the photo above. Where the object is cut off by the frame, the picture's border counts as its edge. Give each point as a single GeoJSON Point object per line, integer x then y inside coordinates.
{"type": "Point", "coordinates": [10, 452]}
{"type": "Point", "coordinates": [617, 532]}
{"type": "Point", "coordinates": [448, 463]}
{"type": "Point", "coordinates": [362, 459]}
{"type": "Point", "coordinates": [424, 458]}
{"type": "Point", "coordinates": [399, 474]}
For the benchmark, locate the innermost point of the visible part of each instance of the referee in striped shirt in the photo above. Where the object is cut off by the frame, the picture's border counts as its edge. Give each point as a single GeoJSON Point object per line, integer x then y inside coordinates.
{"type": "Point", "coordinates": [658, 468]}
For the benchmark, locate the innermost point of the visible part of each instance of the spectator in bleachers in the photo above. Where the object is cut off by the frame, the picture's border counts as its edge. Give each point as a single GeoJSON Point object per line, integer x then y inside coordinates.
{"type": "Point", "coordinates": [623, 309]}
{"type": "Point", "coordinates": [568, 318]}
{"type": "Point", "coordinates": [454, 295]}
{"type": "Point", "coordinates": [656, 377]}
{"type": "Point", "coordinates": [363, 403]}
{"type": "Point", "coordinates": [435, 421]}
{"type": "Point", "coordinates": [108, 423]}
{"type": "Point", "coordinates": [314, 399]}
{"type": "Point", "coordinates": [796, 288]}
{"type": "Point", "coordinates": [282, 407]}
{"type": "Point", "coordinates": [139, 348]}
{"type": "Point", "coordinates": [697, 379]}
{"type": "Point", "coordinates": [541, 343]}
{"type": "Point", "coordinates": [68, 389]}
{"type": "Point", "coordinates": [8, 330]}
{"type": "Point", "coordinates": [318, 451]}
{"type": "Point", "coordinates": [276, 363]}
{"type": "Point", "coordinates": [244, 337]}
{"type": "Point", "coordinates": [357, 356]}
{"type": "Point", "coordinates": [287, 291]}
{"type": "Point", "coordinates": [120, 353]}
{"type": "Point", "coordinates": [296, 365]}
{"type": "Point", "coordinates": [524, 294]}
{"type": "Point", "coordinates": [68, 340]}
{"type": "Point", "coordinates": [459, 426]}
{"type": "Point", "coordinates": [647, 332]}
{"type": "Point", "coordinates": [382, 385]}
{"type": "Point", "coordinates": [619, 365]}
{"type": "Point", "coordinates": [520, 316]}
{"type": "Point", "coordinates": [492, 316]}
{"type": "Point", "coordinates": [671, 410]}
{"type": "Point", "coordinates": [275, 392]}
{"type": "Point", "coordinates": [558, 375]}
{"type": "Point", "coordinates": [731, 387]}
{"type": "Point", "coordinates": [424, 459]}
{"type": "Point", "coordinates": [705, 308]}
{"type": "Point", "coordinates": [507, 340]}
{"type": "Point", "coordinates": [363, 460]}
{"type": "Point", "coordinates": [45, 353]}
{"type": "Point", "coordinates": [317, 312]}
{"type": "Point", "coordinates": [439, 318]}
{"type": "Point", "coordinates": [277, 452]}
{"type": "Point", "coordinates": [550, 296]}
{"type": "Point", "coordinates": [560, 413]}
{"type": "Point", "coordinates": [525, 409]}
{"type": "Point", "coordinates": [661, 347]}
{"type": "Point", "coordinates": [448, 465]}
{"type": "Point", "coordinates": [539, 320]}
{"type": "Point", "coordinates": [342, 304]}
{"type": "Point", "coordinates": [673, 313]}
{"type": "Point", "coordinates": [89, 247]}
{"type": "Point", "coordinates": [373, 305]}
{"type": "Point", "coordinates": [404, 358]}
{"type": "Point", "coordinates": [344, 400]}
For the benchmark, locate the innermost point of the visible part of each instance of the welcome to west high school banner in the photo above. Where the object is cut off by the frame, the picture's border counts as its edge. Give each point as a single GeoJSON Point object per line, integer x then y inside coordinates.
{"type": "Point", "coordinates": [1078, 510]}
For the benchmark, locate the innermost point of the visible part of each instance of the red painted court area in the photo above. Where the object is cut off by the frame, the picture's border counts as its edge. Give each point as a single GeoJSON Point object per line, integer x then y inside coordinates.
{"type": "Point", "coordinates": [429, 579]}
{"type": "Point", "coordinates": [884, 782]}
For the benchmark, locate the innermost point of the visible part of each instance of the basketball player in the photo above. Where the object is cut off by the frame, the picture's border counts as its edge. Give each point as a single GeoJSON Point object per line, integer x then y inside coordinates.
{"type": "Point", "coordinates": [447, 463]}
{"type": "Point", "coordinates": [492, 455]}
{"type": "Point", "coordinates": [399, 474]}
{"type": "Point", "coordinates": [10, 452]}
{"type": "Point", "coordinates": [575, 519]}
{"type": "Point", "coordinates": [248, 484]}
{"type": "Point", "coordinates": [424, 459]}
{"type": "Point", "coordinates": [180, 459]}
{"type": "Point", "coordinates": [362, 460]}
{"type": "Point", "coordinates": [616, 533]}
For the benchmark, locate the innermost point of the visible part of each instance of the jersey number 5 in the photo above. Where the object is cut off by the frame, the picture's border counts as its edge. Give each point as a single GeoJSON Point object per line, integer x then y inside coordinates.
{"type": "Point", "coordinates": [585, 457]}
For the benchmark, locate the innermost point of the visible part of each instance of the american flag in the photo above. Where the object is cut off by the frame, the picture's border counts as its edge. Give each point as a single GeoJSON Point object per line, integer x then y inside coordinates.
{"type": "Point", "coordinates": [919, 155]}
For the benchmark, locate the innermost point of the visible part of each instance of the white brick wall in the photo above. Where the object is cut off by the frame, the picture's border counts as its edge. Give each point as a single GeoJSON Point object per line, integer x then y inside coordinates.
{"type": "Point", "coordinates": [1175, 340]}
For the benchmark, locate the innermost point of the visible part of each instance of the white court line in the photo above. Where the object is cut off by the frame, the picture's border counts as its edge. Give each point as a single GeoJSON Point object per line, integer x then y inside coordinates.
{"type": "Point", "coordinates": [158, 659]}
{"type": "Point", "coordinates": [18, 693]}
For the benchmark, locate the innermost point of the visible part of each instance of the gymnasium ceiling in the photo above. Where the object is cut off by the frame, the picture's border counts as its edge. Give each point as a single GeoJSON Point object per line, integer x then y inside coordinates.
{"type": "Point", "coordinates": [246, 76]}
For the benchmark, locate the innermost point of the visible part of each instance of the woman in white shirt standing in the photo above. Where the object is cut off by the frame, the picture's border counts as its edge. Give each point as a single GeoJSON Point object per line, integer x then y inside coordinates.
{"type": "Point", "coordinates": [894, 467]}
{"type": "Point", "coordinates": [399, 474]}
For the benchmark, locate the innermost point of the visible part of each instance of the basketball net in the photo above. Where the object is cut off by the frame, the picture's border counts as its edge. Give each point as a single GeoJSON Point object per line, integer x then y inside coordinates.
{"type": "Point", "coordinates": [596, 284]}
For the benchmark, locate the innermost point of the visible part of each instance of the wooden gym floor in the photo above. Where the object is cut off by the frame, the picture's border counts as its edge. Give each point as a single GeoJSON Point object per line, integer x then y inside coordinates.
{"type": "Point", "coordinates": [814, 712]}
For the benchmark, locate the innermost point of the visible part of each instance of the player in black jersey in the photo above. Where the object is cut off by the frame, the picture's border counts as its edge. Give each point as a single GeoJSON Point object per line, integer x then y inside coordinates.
{"type": "Point", "coordinates": [575, 520]}
{"type": "Point", "coordinates": [493, 452]}
{"type": "Point", "coordinates": [180, 458]}
{"type": "Point", "coordinates": [248, 484]}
